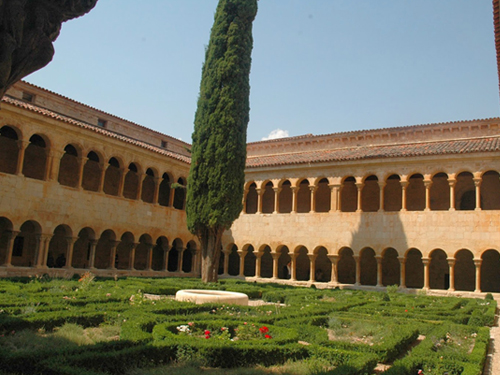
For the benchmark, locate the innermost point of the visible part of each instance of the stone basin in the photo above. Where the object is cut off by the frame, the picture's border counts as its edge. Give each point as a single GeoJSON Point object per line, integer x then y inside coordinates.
{"type": "Point", "coordinates": [199, 296]}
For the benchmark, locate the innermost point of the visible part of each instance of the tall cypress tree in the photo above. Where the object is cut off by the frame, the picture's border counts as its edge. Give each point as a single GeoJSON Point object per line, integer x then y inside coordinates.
{"type": "Point", "coordinates": [218, 155]}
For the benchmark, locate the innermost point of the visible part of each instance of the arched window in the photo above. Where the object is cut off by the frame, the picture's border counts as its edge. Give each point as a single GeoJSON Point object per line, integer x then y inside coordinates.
{"type": "Point", "coordinates": [250, 262]}
{"type": "Point", "coordinates": [465, 192]}
{"type": "Point", "coordinates": [465, 271]}
{"type": "Point", "coordinates": [124, 251]}
{"type": "Point", "coordinates": [69, 167]}
{"type": "Point", "coordinates": [252, 199]}
{"type": "Point", "coordinates": [390, 268]}
{"type": "Point", "coordinates": [415, 193]}
{"type": "Point", "coordinates": [268, 199]}
{"type": "Point", "coordinates": [346, 267]}
{"type": "Point", "coordinates": [159, 253]}
{"type": "Point", "coordinates": [26, 245]}
{"type": "Point", "coordinates": [82, 248]}
{"type": "Point", "coordinates": [302, 264]}
{"type": "Point", "coordinates": [131, 183]}
{"type": "Point", "coordinates": [490, 191]}
{"type": "Point", "coordinates": [59, 247]}
{"type": "Point", "coordinates": [112, 177]}
{"type": "Point", "coordinates": [141, 260]}
{"type": "Point", "coordinates": [440, 192]}
{"type": "Point", "coordinates": [323, 196]}
{"type": "Point", "coordinates": [35, 158]}
{"type": "Point", "coordinates": [304, 197]}
{"type": "Point", "coordinates": [164, 192]}
{"type": "Point", "coordinates": [148, 186]}
{"type": "Point", "coordinates": [105, 245]}
{"type": "Point", "coordinates": [91, 172]}
{"type": "Point", "coordinates": [285, 198]}
{"type": "Point", "coordinates": [9, 150]}
{"type": "Point", "coordinates": [180, 194]}
{"type": "Point", "coordinates": [414, 270]}
{"type": "Point", "coordinates": [349, 195]}
{"type": "Point", "coordinates": [439, 270]}
{"type": "Point", "coordinates": [368, 265]}
{"type": "Point", "coordinates": [393, 194]}
{"type": "Point", "coordinates": [370, 195]}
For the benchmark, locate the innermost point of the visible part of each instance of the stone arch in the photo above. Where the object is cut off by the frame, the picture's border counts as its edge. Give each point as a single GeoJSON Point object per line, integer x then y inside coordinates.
{"type": "Point", "coordinates": [349, 195]}
{"type": "Point", "coordinates": [6, 227]}
{"type": "Point", "coordinates": [490, 271]}
{"type": "Point", "coordinates": [415, 193]}
{"type": "Point", "coordinates": [27, 245]}
{"type": "Point", "coordinates": [164, 192]}
{"type": "Point", "coordinates": [174, 255]}
{"type": "Point", "coordinates": [148, 186]}
{"type": "Point", "coordinates": [303, 197]}
{"type": "Point", "coordinates": [234, 261]}
{"type": "Point", "coordinates": [131, 182]}
{"type": "Point", "coordinates": [370, 194]}
{"type": "Point", "coordinates": [322, 265]}
{"type": "Point", "coordinates": [346, 266]}
{"type": "Point", "coordinates": [123, 255]}
{"type": "Point", "coordinates": [159, 253]}
{"type": "Point", "coordinates": [284, 260]}
{"type": "Point", "coordinates": [268, 198]}
{"type": "Point", "coordinates": [391, 268]}
{"type": "Point", "coordinates": [285, 197]}
{"type": "Point", "coordinates": [112, 177]}
{"type": "Point", "coordinates": [187, 257]}
{"type": "Point", "coordinates": [69, 167]}
{"type": "Point", "coordinates": [465, 270]}
{"type": "Point", "coordinates": [35, 158]}
{"type": "Point", "coordinates": [266, 262]}
{"type": "Point", "coordinates": [252, 199]}
{"type": "Point", "coordinates": [180, 194]}
{"type": "Point", "coordinates": [414, 269]}
{"type": "Point", "coordinates": [302, 264]}
{"type": "Point", "coordinates": [439, 270]}
{"type": "Point", "coordinates": [250, 261]}
{"type": "Point", "coordinates": [368, 265]}
{"type": "Point", "coordinates": [393, 193]}
{"type": "Point", "coordinates": [143, 252]}
{"type": "Point", "coordinates": [92, 172]}
{"type": "Point", "coordinates": [104, 248]}
{"type": "Point", "coordinates": [490, 191]}
{"type": "Point", "coordinates": [440, 192]}
{"type": "Point", "coordinates": [323, 196]}
{"type": "Point", "coordinates": [9, 149]}
{"type": "Point", "coordinates": [82, 248]}
{"type": "Point", "coordinates": [465, 192]}
{"type": "Point", "coordinates": [57, 256]}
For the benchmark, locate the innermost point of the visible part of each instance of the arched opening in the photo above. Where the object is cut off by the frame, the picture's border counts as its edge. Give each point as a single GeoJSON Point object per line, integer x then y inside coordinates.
{"type": "Point", "coordinates": [490, 271]}
{"type": "Point", "coordinates": [83, 248]}
{"type": "Point", "coordinates": [439, 270]}
{"type": "Point", "coordinates": [368, 264]}
{"type": "Point", "coordinates": [250, 262]}
{"type": "Point", "coordinates": [393, 194]}
{"type": "Point", "coordinates": [112, 178]}
{"type": "Point", "coordinates": [159, 252]}
{"type": "Point", "coordinates": [266, 263]}
{"type": "Point", "coordinates": [142, 252]}
{"type": "Point", "coordinates": [174, 256]}
{"type": "Point", "coordinates": [59, 247]}
{"type": "Point", "coordinates": [26, 245]}
{"type": "Point", "coordinates": [123, 256]}
{"type": "Point", "coordinates": [414, 269]}
{"type": "Point", "coordinates": [164, 192]}
{"type": "Point", "coordinates": [349, 195]}
{"type": "Point", "coordinates": [220, 269]}
{"type": "Point", "coordinates": [35, 158]}
{"type": "Point", "coordinates": [304, 197]}
{"type": "Point", "coordinates": [440, 192]}
{"type": "Point", "coordinates": [323, 196]}
{"type": "Point", "coordinates": [322, 266]}
{"type": "Point", "coordinates": [465, 192]}
{"type": "Point", "coordinates": [490, 191]}
{"type": "Point", "coordinates": [9, 150]}
{"type": "Point", "coordinates": [252, 199]}
{"type": "Point", "coordinates": [268, 199]}
{"type": "Point", "coordinates": [346, 267]}
{"type": "Point", "coordinates": [104, 248]}
{"type": "Point", "coordinates": [415, 193]}
{"type": "Point", "coordinates": [465, 271]}
{"type": "Point", "coordinates": [131, 182]}
{"type": "Point", "coordinates": [370, 195]}
{"type": "Point", "coordinates": [234, 262]}
{"type": "Point", "coordinates": [302, 265]}
{"type": "Point", "coordinates": [148, 187]}
{"type": "Point", "coordinates": [391, 271]}
{"type": "Point", "coordinates": [5, 238]}
{"type": "Point", "coordinates": [285, 198]}
{"type": "Point", "coordinates": [180, 194]}
{"type": "Point", "coordinates": [284, 263]}
{"type": "Point", "coordinates": [91, 172]}
{"type": "Point", "coordinates": [69, 167]}
{"type": "Point", "coordinates": [187, 257]}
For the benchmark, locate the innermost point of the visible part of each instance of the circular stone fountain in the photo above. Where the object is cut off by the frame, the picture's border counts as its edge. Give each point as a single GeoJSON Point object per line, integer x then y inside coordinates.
{"type": "Point", "coordinates": [199, 296]}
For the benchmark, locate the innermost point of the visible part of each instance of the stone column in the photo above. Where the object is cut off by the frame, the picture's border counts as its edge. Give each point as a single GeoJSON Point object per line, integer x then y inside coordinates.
{"type": "Point", "coordinates": [171, 196]}
{"type": "Point", "coordinates": [131, 256]}
{"type": "Point", "coordinates": [101, 178]}
{"type": "Point", "coordinates": [312, 267]}
{"type": "Point", "coordinates": [157, 190]}
{"type": "Point", "coordinates": [93, 245]}
{"type": "Point", "coordinates": [112, 255]}
{"type": "Point", "coordinates": [404, 185]}
{"type": "Point", "coordinates": [426, 262]}
{"type": "Point", "coordinates": [242, 254]}
{"type": "Point", "coordinates": [293, 267]}
{"type": "Point", "coordinates": [180, 259]}
{"type": "Point", "coordinates": [81, 164]}
{"type": "Point", "coordinates": [452, 182]}
{"type": "Point", "coordinates": [334, 197]}
{"type": "Point", "coordinates": [165, 260]}
{"type": "Point", "coordinates": [149, 259]}
{"type": "Point", "coordinates": [53, 164]}
{"type": "Point", "coordinates": [277, 191]}
{"type": "Point", "coordinates": [69, 252]}
{"type": "Point", "coordinates": [313, 198]}
{"type": "Point", "coordinates": [294, 199]}
{"type": "Point", "coordinates": [402, 276]}
{"type": "Point", "coordinates": [244, 210]}
{"type": "Point", "coordinates": [357, 259]}
{"type": "Point", "coordinates": [123, 173]}
{"type": "Point", "coordinates": [381, 185]}
{"type": "Point", "coordinates": [42, 249]}
{"type": "Point", "coordinates": [427, 184]}
{"type": "Point", "coordinates": [334, 278]}
{"type": "Point", "coordinates": [20, 156]}
{"type": "Point", "coordinates": [477, 184]}
{"type": "Point", "coordinates": [379, 270]}
{"type": "Point", "coordinates": [141, 178]}
{"type": "Point", "coordinates": [276, 257]}
{"type": "Point", "coordinates": [359, 186]}
{"type": "Point", "coordinates": [259, 192]}
{"type": "Point", "coordinates": [477, 264]}
{"type": "Point", "coordinates": [10, 248]}
{"type": "Point", "coordinates": [451, 264]}
{"type": "Point", "coordinates": [258, 263]}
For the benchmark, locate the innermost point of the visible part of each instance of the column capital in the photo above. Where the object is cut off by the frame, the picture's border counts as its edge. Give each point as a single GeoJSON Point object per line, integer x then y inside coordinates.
{"type": "Point", "coordinates": [312, 256]}
{"type": "Point", "coordinates": [451, 261]}
{"type": "Point", "coordinates": [426, 261]}
{"type": "Point", "coordinates": [277, 189]}
{"type": "Point", "coordinates": [477, 181]}
{"type": "Point", "coordinates": [478, 262]}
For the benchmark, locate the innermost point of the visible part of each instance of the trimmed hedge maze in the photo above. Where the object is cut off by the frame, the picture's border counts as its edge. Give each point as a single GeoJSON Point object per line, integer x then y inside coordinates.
{"type": "Point", "coordinates": [90, 326]}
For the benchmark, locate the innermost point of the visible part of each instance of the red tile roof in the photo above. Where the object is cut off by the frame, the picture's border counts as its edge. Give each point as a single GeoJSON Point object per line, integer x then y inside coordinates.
{"type": "Point", "coordinates": [94, 128]}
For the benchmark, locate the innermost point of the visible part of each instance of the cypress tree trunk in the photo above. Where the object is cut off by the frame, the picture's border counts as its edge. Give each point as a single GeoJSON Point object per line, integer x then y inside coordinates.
{"type": "Point", "coordinates": [218, 154]}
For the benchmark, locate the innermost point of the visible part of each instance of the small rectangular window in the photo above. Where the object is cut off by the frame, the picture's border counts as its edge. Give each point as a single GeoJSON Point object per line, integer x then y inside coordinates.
{"type": "Point", "coordinates": [28, 97]}
{"type": "Point", "coordinates": [164, 144]}
{"type": "Point", "coordinates": [101, 122]}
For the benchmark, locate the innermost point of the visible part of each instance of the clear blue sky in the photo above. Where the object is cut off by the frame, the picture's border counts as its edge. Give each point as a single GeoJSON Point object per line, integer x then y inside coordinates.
{"type": "Point", "coordinates": [319, 66]}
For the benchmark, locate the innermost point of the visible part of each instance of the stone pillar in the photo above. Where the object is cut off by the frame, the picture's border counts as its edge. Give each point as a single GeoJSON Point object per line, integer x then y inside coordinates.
{"type": "Point", "coordinates": [112, 255]}
{"type": "Point", "coordinates": [53, 164]}
{"type": "Point", "coordinates": [334, 278]}
{"type": "Point", "coordinates": [381, 185]}
{"type": "Point", "coordinates": [334, 198]}
{"type": "Point", "coordinates": [477, 184]}
{"type": "Point", "coordinates": [477, 264]}
{"type": "Point", "coordinates": [141, 178]}
{"type": "Point", "coordinates": [426, 262]}
{"type": "Point", "coordinates": [226, 262]}
{"type": "Point", "coordinates": [93, 245]}
{"type": "Point", "coordinates": [451, 264]}
{"type": "Point", "coordinates": [313, 198]}
{"type": "Point", "coordinates": [81, 164]}
{"type": "Point", "coordinates": [171, 196]}
{"type": "Point", "coordinates": [157, 190]}
{"type": "Point", "coordinates": [452, 182]}
{"type": "Point", "coordinates": [427, 184]}
{"type": "Point", "coordinates": [277, 191]}
{"type": "Point", "coordinates": [242, 254]}
{"type": "Point", "coordinates": [102, 178]}
{"type": "Point", "coordinates": [10, 248]}
{"type": "Point", "coordinates": [123, 173]}
{"type": "Point", "coordinates": [42, 249]}
{"type": "Point", "coordinates": [131, 256]}
{"type": "Point", "coordinates": [379, 270]}
{"type": "Point", "coordinates": [294, 199]}
{"type": "Point", "coordinates": [165, 260]}
{"type": "Point", "coordinates": [149, 259]}
{"type": "Point", "coordinates": [180, 259]}
{"type": "Point", "coordinates": [69, 252]}
{"type": "Point", "coordinates": [312, 267]}
{"type": "Point", "coordinates": [357, 259]}
{"type": "Point", "coordinates": [404, 185]}
{"type": "Point", "coordinates": [258, 263]}
{"type": "Point", "coordinates": [244, 210]}
{"type": "Point", "coordinates": [402, 268]}
{"type": "Point", "coordinates": [20, 156]}
{"type": "Point", "coordinates": [359, 186]}
{"type": "Point", "coordinates": [293, 267]}
{"type": "Point", "coordinates": [260, 192]}
{"type": "Point", "coordinates": [276, 257]}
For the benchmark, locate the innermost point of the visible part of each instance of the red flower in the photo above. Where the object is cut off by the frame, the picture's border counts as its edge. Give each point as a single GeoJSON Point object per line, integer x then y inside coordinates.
{"type": "Point", "coordinates": [207, 332]}
{"type": "Point", "coordinates": [406, 310]}
{"type": "Point", "coordinates": [264, 329]}
{"type": "Point", "coordinates": [207, 336]}
{"type": "Point", "coordinates": [268, 336]}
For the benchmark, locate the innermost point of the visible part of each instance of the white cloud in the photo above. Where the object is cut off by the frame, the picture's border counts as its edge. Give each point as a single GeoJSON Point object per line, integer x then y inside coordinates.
{"type": "Point", "coordinates": [275, 134]}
